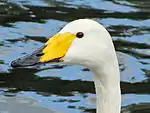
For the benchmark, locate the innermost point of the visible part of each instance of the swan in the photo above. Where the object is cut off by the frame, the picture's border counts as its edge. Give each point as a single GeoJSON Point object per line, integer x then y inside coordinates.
{"type": "Point", "coordinates": [84, 42]}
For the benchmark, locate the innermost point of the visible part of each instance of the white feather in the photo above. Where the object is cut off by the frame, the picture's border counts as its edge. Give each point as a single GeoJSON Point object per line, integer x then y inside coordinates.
{"type": "Point", "coordinates": [96, 51]}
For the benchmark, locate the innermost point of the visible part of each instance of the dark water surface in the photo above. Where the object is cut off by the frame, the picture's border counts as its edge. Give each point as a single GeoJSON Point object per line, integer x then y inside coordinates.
{"type": "Point", "coordinates": [26, 24]}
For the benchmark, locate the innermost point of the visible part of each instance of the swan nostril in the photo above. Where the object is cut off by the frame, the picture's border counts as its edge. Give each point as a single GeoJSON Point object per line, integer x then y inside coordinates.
{"type": "Point", "coordinates": [39, 54]}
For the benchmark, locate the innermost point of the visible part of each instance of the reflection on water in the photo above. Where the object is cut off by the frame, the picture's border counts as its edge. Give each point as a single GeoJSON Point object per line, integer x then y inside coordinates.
{"type": "Point", "coordinates": [25, 25]}
{"type": "Point", "coordinates": [9, 105]}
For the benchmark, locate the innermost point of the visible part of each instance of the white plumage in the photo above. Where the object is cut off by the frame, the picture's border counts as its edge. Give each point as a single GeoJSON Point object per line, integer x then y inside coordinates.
{"type": "Point", "coordinates": [96, 51]}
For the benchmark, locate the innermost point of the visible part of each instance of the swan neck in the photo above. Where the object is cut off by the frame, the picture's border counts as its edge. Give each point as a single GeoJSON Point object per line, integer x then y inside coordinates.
{"type": "Point", "coordinates": [107, 86]}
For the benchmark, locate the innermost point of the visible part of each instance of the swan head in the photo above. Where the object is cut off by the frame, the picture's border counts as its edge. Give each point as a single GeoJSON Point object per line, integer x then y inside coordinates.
{"type": "Point", "coordinates": [81, 42]}
{"type": "Point", "coordinates": [84, 42]}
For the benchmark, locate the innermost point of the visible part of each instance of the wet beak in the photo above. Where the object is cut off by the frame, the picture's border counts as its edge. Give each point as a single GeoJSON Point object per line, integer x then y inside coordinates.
{"type": "Point", "coordinates": [53, 51]}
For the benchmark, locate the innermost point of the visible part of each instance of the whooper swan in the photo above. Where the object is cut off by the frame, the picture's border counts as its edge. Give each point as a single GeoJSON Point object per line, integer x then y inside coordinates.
{"type": "Point", "coordinates": [87, 43]}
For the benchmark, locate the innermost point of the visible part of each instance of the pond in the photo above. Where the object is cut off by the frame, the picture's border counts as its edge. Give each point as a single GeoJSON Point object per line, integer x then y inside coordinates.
{"type": "Point", "coordinates": [26, 25]}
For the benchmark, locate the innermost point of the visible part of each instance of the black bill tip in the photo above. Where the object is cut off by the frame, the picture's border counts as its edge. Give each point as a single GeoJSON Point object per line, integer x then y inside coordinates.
{"type": "Point", "coordinates": [14, 64]}
{"type": "Point", "coordinates": [28, 60]}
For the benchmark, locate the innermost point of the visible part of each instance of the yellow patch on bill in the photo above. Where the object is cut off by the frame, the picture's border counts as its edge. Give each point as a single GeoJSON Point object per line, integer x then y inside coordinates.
{"type": "Point", "coordinates": [57, 46]}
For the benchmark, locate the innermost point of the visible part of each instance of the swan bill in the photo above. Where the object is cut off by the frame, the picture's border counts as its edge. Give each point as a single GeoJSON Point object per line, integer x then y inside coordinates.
{"type": "Point", "coordinates": [53, 51]}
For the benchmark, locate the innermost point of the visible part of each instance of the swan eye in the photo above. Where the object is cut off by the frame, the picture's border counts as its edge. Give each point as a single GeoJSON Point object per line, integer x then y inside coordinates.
{"type": "Point", "coordinates": [80, 34]}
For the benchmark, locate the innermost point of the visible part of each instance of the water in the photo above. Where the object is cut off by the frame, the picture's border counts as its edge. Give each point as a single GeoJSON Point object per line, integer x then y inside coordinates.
{"type": "Point", "coordinates": [25, 25]}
